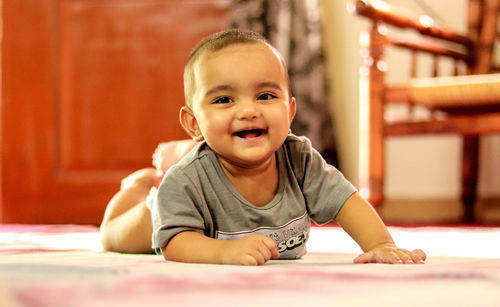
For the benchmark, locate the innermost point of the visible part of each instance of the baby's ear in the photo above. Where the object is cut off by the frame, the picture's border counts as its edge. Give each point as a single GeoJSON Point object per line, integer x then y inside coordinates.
{"type": "Point", "coordinates": [292, 109]}
{"type": "Point", "coordinates": [188, 122]}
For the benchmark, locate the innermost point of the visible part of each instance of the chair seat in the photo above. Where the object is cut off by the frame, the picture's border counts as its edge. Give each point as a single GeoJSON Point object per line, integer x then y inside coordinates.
{"type": "Point", "coordinates": [457, 94]}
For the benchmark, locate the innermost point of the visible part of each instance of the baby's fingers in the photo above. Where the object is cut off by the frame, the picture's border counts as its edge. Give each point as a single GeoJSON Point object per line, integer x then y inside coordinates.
{"type": "Point", "coordinates": [379, 257]}
{"type": "Point", "coordinates": [259, 257]}
{"type": "Point", "coordinates": [272, 247]}
{"type": "Point", "coordinates": [368, 257]}
{"type": "Point", "coordinates": [418, 256]}
{"type": "Point", "coordinates": [391, 254]}
{"type": "Point", "coordinates": [405, 257]}
{"type": "Point", "coordinates": [249, 260]}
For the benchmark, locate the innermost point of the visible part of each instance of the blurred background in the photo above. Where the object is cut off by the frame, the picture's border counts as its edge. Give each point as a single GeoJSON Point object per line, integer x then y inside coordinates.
{"type": "Point", "coordinates": [89, 88]}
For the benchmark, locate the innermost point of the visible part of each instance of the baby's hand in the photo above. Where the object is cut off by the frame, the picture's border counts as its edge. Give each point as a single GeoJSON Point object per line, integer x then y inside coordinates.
{"type": "Point", "coordinates": [145, 178]}
{"type": "Point", "coordinates": [251, 250]}
{"type": "Point", "coordinates": [169, 153]}
{"type": "Point", "coordinates": [390, 253]}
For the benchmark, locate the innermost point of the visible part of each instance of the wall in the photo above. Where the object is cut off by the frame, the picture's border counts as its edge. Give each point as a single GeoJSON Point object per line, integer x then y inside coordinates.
{"type": "Point", "coordinates": [434, 172]}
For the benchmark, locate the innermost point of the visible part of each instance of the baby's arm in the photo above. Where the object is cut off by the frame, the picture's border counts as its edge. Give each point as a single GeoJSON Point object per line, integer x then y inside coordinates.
{"type": "Point", "coordinates": [190, 246]}
{"type": "Point", "coordinates": [358, 218]}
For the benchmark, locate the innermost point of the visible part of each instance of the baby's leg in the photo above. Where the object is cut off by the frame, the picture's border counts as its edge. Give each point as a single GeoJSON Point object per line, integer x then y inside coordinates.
{"type": "Point", "coordinates": [169, 153]}
{"type": "Point", "coordinates": [126, 226]}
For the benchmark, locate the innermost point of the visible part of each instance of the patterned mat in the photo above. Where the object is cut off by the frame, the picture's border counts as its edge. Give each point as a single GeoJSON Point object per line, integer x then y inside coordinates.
{"type": "Point", "coordinates": [63, 265]}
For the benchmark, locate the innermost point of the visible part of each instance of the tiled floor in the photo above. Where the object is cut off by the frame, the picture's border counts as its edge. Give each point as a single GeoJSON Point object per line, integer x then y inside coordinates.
{"type": "Point", "coordinates": [437, 211]}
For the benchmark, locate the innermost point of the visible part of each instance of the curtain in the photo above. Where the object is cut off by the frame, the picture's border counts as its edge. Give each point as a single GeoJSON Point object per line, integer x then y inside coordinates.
{"type": "Point", "coordinates": [294, 28]}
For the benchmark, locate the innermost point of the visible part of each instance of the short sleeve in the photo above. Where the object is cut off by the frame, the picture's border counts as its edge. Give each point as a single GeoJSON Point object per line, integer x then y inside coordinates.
{"type": "Point", "coordinates": [177, 208]}
{"type": "Point", "coordinates": [324, 187]}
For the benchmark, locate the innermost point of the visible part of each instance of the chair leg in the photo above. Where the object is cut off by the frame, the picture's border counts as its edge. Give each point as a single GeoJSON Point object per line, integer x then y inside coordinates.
{"type": "Point", "coordinates": [372, 115]}
{"type": "Point", "coordinates": [470, 164]}
{"type": "Point", "coordinates": [377, 169]}
{"type": "Point", "coordinates": [376, 166]}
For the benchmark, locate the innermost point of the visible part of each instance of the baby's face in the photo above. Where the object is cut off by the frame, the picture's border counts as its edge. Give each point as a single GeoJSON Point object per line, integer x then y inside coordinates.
{"type": "Point", "coordinates": [241, 103]}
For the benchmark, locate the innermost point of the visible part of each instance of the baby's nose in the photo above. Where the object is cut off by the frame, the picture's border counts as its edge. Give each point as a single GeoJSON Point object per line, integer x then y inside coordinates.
{"type": "Point", "coordinates": [248, 110]}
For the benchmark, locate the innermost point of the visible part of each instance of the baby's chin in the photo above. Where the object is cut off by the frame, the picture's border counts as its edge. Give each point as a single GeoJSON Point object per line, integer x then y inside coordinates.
{"type": "Point", "coordinates": [250, 160]}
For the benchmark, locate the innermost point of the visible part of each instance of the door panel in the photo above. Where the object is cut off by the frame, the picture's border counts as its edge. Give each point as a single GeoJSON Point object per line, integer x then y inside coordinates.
{"type": "Point", "coordinates": [89, 89]}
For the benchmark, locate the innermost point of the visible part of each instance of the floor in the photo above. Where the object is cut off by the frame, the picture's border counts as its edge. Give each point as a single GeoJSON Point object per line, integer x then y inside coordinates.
{"type": "Point", "coordinates": [63, 265]}
{"type": "Point", "coordinates": [437, 212]}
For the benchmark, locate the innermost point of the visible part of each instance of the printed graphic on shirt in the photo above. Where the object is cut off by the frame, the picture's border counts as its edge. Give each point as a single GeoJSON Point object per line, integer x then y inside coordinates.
{"type": "Point", "coordinates": [290, 238]}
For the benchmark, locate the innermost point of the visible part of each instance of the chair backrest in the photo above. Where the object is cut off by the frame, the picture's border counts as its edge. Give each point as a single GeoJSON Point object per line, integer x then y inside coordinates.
{"type": "Point", "coordinates": [483, 31]}
{"type": "Point", "coordinates": [475, 47]}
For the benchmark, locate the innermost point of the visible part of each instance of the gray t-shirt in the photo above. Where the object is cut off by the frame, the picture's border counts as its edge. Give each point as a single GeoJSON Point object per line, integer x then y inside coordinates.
{"type": "Point", "coordinates": [196, 195]}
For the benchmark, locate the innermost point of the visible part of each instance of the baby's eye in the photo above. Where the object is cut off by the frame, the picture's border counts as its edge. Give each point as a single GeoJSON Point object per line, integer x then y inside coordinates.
{"type": "Point", "coordinates": [223, 100]}
{"type": "Point", "coordinates": [266, 96]}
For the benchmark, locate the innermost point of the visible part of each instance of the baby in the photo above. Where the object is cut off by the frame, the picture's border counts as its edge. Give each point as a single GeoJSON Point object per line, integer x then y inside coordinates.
{"type": "Point", "coordinates": [247, 191]}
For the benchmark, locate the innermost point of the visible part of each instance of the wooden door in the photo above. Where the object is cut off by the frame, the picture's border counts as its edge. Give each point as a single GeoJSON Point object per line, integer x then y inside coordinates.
{"type": "Point", "coordinates": [89, 89]}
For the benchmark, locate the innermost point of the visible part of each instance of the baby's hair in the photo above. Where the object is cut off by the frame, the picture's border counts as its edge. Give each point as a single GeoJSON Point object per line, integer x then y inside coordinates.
{"type": "Point", "coordinates": [216, 42]}
{"type": "Point", "coordinates": [219, 40]}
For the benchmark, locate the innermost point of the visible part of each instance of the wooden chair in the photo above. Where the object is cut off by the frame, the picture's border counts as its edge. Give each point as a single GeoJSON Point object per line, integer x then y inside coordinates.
{"type": "Point", "coordinates": [467, 103]}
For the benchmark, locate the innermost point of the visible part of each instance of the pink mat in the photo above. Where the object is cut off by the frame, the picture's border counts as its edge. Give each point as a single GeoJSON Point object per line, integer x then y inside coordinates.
{"type": "Point", "coordinates": [63, 266]}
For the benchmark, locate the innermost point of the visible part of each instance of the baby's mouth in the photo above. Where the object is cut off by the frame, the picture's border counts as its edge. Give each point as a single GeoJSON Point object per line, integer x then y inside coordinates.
{"type": "Point", "coordinates": [251, 133]}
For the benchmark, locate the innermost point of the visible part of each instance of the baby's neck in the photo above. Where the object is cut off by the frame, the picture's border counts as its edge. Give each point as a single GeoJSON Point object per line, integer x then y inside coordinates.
{"type": "Point", "coordinates": [258, 185]}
